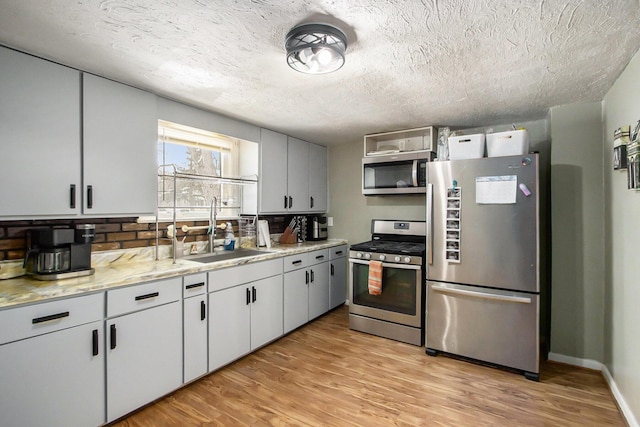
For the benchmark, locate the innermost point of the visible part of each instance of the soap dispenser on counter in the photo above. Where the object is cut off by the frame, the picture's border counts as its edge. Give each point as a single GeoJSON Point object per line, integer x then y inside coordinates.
{"type": "Point", "coordinates": [229, 238]}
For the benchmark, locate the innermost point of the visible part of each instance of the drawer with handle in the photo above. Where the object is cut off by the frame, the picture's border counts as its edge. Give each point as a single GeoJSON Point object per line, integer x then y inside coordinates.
{"type": "Point", "coordinates": [338, 252]}
{"type": "Point", "coordinates": [140, 297]}
{"type": "Point", "coordinates": [194, 284]}
{"type": "Point", "coordinates": [24, 322]}
{"type": "Point", "coordinates": [295, 262]}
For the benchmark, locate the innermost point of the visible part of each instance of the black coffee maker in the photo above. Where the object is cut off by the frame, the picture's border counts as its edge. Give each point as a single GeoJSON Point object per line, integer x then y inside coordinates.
{"type": "Point", "coordinates": [59, 253]}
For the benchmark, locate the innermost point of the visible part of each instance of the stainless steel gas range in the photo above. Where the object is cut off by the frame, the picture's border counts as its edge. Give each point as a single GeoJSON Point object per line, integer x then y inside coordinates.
{"type": "Point", "coordinates": [398, 249]}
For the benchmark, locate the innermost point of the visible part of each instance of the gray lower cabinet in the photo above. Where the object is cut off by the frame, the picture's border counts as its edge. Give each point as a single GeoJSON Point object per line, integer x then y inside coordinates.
{"type": "Point", "coordinates": [306, 287]}
{"type": "Point", "coordinates": [296, 291]}
{"type": "Point", "coordinates": [245, 310]}
{"type": "Point", "coordinates": [52, 364]}
{"type": "Point", "coordinates": [318, 283]}
{"type": "Point", "coordinates": [144, 344]}
{"type": "Point", "coordinates": [338, 275]}
{"type": "Point", "coordinates": [194, 316]}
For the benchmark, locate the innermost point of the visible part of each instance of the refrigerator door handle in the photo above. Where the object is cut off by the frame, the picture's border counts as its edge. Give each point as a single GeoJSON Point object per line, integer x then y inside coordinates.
{"type": "Point", "coordinates": [430, 224]}
{"type": "Point", "coordinates": [483, 295]}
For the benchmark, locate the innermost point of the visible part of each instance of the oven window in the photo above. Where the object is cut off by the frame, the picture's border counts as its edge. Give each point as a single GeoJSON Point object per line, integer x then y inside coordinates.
{"type": "Point", "coordinates": [399, 292]}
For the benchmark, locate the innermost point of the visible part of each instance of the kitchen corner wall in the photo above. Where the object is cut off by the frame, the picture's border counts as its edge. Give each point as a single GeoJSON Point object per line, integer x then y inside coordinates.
{"type": "Point", "coordinates": [621, 106]}
{"type": "Point", "coordinates": [351, 211]}
{"type": "Point", "coordinates": [577, 194]}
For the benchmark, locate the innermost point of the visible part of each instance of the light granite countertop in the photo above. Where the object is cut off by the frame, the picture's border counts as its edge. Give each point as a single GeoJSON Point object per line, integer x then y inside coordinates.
{"type": "Point", "coordinates": [127, 267]}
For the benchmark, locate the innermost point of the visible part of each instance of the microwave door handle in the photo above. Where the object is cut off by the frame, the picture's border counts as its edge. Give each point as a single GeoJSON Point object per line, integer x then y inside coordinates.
{"type": "Point", "coordinates": [430, 224]}
{"type": "Point", "coordinates": [414, 173]}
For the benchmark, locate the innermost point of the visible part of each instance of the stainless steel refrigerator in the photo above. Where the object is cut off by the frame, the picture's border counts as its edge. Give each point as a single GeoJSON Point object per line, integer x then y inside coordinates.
{"type": "Point", "coordinates": [483, 275]}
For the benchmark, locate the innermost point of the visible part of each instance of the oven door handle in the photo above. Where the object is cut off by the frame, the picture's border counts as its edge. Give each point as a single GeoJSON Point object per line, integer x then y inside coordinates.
{"type": "Point", "coordinates": [388, 264]}
{"type": "Point", "coordinates": [414, 173]}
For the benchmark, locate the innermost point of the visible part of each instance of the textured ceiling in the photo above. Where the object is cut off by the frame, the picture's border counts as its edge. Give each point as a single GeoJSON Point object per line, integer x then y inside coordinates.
{"type": "Point", "coordinates": [409, 63]}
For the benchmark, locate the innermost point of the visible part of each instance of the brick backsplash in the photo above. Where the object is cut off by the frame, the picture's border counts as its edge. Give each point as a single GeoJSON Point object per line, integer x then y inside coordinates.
{"type": "Point", "coordinates": [112, 233]}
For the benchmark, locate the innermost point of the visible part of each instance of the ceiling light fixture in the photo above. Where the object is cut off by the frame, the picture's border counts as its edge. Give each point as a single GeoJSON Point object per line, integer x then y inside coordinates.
{"type": "Point", "coordinates": [315, 48]}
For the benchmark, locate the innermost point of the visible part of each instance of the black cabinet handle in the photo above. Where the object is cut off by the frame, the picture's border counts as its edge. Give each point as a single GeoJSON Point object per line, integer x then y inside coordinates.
{"type": "Point", "coordinates": [49, 318]}
{"type": "Point", "coordinates": [338, 252]}
{"type": "Point", "coordinates": [333, 271]}
{"type": "Point", "coordinates": [248, 296]}
{"type": "Point", "coordinates": [72, 194]}
{"type": "Point", "coordinates": [194, 285]}
{"type": "Point", "coordinates": [311, 202]}
{"type": "Point", "coordinates": [253, 294]}
{"type": "Point", "coordinates": [306, 273]}
{"type": "Point", "coordinates": [290, 202]}
{"type": "Point", "coordinates": [285, 201]}
{"type": "Point", "coordinates": [203, 310]}
{"type": "Point", "coordinates": [112, 337]}
{"type": "Point", "coordinates": [297, 262]}
{"type": "Point", "coordinates": [89, 196]}
{"type": "Point", "coordinates": [320, 257]}
{"type": "Point", "coordinates": [312, 276]}
{"type": "Point", "coordinates": [94, 339]}
{"type": "Point", "coordinates": [147, 296]}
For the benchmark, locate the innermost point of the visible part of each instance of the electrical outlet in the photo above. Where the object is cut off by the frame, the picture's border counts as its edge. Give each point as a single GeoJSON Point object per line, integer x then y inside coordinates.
{"type": "Point", "coordinates": [330, 221]}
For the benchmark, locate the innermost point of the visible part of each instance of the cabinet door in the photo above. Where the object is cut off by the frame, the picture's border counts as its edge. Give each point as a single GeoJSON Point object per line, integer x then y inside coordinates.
{"type": "Point", "coordinates": [318, 290]}
{"type": "Point", "coordinates": [273, 171]}
{"type": "Point", "coordinates": [195, 337]}
{"type": "Point", "coordinates": [298, 175]}
{"type": "Point", "coordinates": [296, 299]}
{"type": "Point", "coordinates": [266, 311]}
{"type": "Point", "coordinates": [144, 357]}
{"type": "Point", "coordinates": [40, 128]}
{"type": "Point", "coordinates": [54, 379]}
{"type": "Point", "coordinates": [338, 280]}
{"type": "Point", "coordinates": [120, 130]}
{"type": "Point", "coordinates": [317, 178]}
{"type": "Point", "coordinates": [229, 325]}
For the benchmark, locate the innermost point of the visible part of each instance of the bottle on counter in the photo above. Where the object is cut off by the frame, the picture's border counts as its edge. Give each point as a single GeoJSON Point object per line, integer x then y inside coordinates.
{"type": "Point", "coordinates": [229, 238]}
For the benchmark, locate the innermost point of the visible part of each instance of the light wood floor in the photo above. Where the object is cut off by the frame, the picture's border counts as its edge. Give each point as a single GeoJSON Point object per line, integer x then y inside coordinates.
{"type": "Point", "coordinates": [327, 375]}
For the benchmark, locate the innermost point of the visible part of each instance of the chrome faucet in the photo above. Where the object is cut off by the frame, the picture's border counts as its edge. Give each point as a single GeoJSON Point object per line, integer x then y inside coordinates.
{"type": "Point", "coordinates": [212, 222]}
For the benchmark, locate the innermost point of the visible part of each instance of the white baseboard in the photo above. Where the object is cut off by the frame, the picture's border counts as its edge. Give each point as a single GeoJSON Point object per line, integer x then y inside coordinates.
{"type": "Point", "coordinates": [594, 364]}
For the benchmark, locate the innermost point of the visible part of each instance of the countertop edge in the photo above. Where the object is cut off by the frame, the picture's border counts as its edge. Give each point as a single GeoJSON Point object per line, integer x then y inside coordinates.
{"type": "Point", "coordinates": [23, 291]}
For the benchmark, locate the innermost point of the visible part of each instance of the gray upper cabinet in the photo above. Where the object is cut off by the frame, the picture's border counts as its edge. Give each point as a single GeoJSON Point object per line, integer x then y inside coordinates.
{"type": "Point", "coordinates": [317, 178]}
{"type": "Point", "coordinates": [273, 172]}
{"type": "Point", "coordinates": [120, 131]}
{"type": "Point", "coordinates": [297, 175]}
{"type": "Point", "coordinates": [293, 174]}
{"type": "Point", "coordinates": [73, 148]}
{"type": "Point", "coordinates": [40, 131]}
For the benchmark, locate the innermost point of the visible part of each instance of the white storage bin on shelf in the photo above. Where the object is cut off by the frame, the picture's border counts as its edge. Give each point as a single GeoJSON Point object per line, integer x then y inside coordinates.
{"type": "Point", "coordinates": [511, 143]}
{"type": "Point", "coordinates": [466, 147]}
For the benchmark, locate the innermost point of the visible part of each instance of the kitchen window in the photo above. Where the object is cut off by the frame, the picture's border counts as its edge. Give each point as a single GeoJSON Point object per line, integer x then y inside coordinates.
{"type": "Point", "coordinates": [200, 153]}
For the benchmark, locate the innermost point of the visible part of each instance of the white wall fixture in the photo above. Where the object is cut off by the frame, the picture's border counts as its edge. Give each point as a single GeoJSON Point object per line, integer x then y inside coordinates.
{"type": "Point", "coordinates": [316, 48]}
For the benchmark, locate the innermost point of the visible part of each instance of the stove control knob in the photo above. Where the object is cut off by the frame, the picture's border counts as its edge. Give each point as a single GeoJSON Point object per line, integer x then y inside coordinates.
{"type": "Point", "coordinates": [382, 257]}
{"type": "Point", "coordinates": [407, 260]}
{"type": "Point", "coordinates": [367, 256]}
{"type": "Point", "coordinates": [397, 259]}
{"type": "Point", "coordinates": [359, 255]}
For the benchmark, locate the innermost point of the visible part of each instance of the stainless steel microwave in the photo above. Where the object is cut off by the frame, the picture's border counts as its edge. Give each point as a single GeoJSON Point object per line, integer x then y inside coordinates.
{"type": "Point", "coordinates": [401, 173]}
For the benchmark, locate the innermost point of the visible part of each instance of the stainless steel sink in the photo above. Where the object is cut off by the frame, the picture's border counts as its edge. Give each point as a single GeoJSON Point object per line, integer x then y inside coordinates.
{"type": "Point", "coordinates": [226, 255]}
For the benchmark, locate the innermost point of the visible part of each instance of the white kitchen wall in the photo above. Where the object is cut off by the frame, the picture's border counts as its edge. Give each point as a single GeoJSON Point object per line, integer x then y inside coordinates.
{"type": "Point", "coordinates": [621, 107]}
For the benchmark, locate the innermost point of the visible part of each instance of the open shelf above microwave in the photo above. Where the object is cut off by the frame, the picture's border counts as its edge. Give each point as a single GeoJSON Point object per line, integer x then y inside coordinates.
{"type": "Point", "coordinates": [404, 141]}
